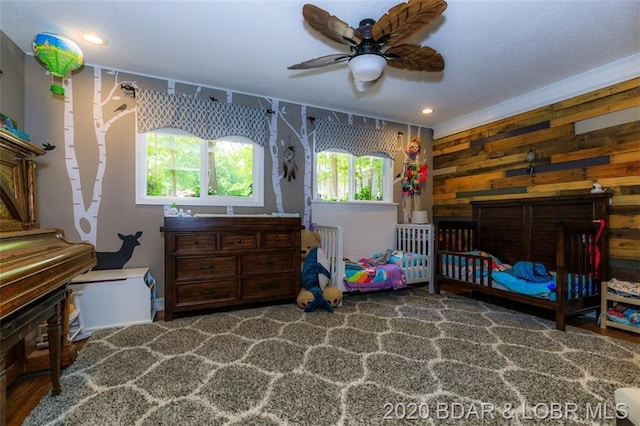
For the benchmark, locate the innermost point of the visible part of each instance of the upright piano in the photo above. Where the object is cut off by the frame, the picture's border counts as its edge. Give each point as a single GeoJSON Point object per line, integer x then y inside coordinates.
{"type": "Point", "coordinates": [36, 264]}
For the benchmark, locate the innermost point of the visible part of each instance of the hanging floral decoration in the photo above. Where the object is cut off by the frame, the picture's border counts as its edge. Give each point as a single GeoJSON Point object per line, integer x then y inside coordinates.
{"type": "Point", "coordinates": [414, 175]}
{"type": "Point", "coordinates": [414, 146]}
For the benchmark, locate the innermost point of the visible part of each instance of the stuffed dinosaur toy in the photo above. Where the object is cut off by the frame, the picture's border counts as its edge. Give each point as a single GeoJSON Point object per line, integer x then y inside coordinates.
{"type": "Point", "coordinates": [311, 281]}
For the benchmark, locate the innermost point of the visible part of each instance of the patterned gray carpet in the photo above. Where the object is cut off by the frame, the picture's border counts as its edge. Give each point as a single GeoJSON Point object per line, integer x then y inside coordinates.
{"type": "Point", "coordinates": [403, 357]}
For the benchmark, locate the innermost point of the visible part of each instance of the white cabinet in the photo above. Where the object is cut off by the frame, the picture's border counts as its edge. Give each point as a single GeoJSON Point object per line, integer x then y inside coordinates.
{"type": "Point", "coordinates": [116, 297]}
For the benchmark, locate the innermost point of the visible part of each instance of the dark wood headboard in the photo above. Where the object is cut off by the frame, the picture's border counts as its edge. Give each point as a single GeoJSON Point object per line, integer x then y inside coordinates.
{"type": "Point", "coordinates": [526, 228]}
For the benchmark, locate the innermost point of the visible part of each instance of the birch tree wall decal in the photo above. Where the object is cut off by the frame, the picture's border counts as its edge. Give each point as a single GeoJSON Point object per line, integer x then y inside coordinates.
{"type": "Point", "coordinates": [85, 218]}
{"type": "Point", "coordinates": [273, 149]}
{"type": "Point", "coordinates": [302, 135]}
{"type": "Point", "coordinates": [308, 168]}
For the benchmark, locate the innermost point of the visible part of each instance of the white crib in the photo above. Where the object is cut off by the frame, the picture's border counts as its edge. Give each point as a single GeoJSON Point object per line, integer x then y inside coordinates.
{"type": "Point", "coordinates": [332, 243]}
{"type": "Point", "coordinates": [415, 239]}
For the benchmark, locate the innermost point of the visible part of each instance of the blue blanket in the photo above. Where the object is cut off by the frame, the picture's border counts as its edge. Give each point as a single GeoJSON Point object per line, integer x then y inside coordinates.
{"type": "Point", "coordinates": [531, 271]}
{"type": "Point", "coordinates": [518, 285]}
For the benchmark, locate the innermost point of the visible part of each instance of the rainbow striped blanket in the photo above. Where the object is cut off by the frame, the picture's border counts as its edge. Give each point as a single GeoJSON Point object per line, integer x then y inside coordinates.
{"type": "Point", "coordinates": [360, 276]}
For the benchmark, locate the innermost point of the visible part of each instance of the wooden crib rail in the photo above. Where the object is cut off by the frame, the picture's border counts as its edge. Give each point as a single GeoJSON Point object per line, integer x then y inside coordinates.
{"type": "Point", "coordinates": [581, 259]}
{"type": "Point", "coordinates": [471, 269]}
{"type": "Point", "coordinates": [456, 236]}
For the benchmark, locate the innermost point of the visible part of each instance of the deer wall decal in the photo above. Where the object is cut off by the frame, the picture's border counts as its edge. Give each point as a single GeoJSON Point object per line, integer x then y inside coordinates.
{"type": "Point", "coordinates": [117, 259]}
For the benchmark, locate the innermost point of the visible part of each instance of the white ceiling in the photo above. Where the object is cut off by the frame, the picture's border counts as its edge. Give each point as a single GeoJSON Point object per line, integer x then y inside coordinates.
{"type": "Point", "coordinates": [497, 52]}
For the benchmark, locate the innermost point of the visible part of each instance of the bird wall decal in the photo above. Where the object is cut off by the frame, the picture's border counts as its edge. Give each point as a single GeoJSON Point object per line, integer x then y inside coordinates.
{"type": "Point", "coordinates": [129, 90]}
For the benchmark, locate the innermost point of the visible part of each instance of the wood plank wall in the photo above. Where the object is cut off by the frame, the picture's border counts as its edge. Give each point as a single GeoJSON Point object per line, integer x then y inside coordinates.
{"type": "Point", "coordinates": [488, 163]}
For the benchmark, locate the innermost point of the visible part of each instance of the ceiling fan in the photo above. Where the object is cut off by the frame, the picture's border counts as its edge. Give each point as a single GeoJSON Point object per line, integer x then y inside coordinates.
{"type": "Point", "coordinates": [375, 44]}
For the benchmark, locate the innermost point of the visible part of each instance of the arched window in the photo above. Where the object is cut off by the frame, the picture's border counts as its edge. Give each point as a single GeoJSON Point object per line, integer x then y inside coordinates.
{"type": "Point", "coordinates": [353, 163]}
{"type": "Point", "coordinates": [341, 176]}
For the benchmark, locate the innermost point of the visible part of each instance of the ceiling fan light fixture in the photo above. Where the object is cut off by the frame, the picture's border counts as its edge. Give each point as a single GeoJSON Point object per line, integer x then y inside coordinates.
{"type": "Point", "coordinates": [367, 66]}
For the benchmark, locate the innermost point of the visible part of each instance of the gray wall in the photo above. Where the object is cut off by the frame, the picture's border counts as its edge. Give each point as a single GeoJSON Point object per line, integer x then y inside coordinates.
{"type": "Point", "coordinates": [74, 123]}
{"type": "Point", "coordinates": [12, 85]}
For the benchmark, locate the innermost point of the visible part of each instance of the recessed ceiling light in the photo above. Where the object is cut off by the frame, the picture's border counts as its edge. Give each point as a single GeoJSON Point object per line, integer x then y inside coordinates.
{"type": "Point", "coordinates": [427, 111]}
{"type": "Point", "coordinates": [94, 39]}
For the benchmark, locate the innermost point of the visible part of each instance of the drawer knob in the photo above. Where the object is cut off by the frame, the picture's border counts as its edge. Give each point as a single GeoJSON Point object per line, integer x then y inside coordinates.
{"type": "Point", "coordinates": [238, 240]}
{"type": "Point", "coordinates": [196, 242]}
{"type": "Point", "coordinates": [207, 266]}
{"type": "Point", "coordinates": [277, 238]}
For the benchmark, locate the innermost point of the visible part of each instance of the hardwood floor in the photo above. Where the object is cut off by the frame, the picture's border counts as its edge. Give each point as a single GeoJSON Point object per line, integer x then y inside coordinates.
{"type": "Point", "coordinates": [27, 391]}
{"type": "Point", "coordinates": [24, 394]}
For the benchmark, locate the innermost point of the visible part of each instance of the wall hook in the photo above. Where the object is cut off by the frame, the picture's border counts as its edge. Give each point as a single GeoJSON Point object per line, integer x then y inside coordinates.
{"type": "Point", "coordinates": [530, 157]}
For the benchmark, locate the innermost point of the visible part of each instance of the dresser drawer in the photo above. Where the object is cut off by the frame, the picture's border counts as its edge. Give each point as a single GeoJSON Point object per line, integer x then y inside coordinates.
{"type": "Point", "coordinates": [238, 241]}
{"type": "Point", "coordinates": [203, 293]}
{"type": "Point", "coordinates": [267, 262]}
{"type": "Point", "coordinates": [268, 287]}
{"type": "Point", "coordinates": [229, 261]}
{"type": "Point", "coordinates": [195, 242]}
{"type": "Point", "coordinates": [204, 266]}
{"type": "Point", "coordinates": [277, 239]}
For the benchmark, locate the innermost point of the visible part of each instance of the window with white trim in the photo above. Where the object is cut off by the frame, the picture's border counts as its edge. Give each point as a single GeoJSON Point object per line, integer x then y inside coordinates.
{"type": "Point", "coordinates": [341, 176]}
{"type": "Point", "coordinates": [174, 166]}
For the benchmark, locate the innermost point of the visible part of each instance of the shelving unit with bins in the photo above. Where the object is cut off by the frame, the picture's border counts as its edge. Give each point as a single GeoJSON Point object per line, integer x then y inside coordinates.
{"type": "Point", "coordinates": [608, 298]}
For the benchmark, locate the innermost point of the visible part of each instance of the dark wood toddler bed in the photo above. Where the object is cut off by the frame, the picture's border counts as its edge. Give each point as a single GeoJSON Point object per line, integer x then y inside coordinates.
{"type": "Point", "coordinates": [565, 235]}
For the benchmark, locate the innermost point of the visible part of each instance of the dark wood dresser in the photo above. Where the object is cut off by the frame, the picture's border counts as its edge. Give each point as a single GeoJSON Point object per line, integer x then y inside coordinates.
{"type": "Point", "coordinates": [229, 261]}
{"type": "Point", "coordinates": [35, 268]}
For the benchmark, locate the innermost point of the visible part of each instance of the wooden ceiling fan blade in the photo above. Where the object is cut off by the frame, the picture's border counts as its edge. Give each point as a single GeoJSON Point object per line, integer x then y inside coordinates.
{"type": "Point", "coordinates": [321, 61]}
{"type": "Point", "coordinates": [404, 20]}
{"type": "Point", "coordinates": [330, 26]}
{"type": "Point", "coordinates": [414, 58]}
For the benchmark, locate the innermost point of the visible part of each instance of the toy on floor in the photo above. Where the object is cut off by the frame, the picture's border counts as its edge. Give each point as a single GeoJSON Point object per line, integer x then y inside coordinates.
{"type": "Point", "coordinates": [309, 240]}
{"type": "Point", "coordinates": [304, 298]}
{"type": "Point", "coordinates": [311, 272]}
{"type": "Point", "coordinates": [333, 295]}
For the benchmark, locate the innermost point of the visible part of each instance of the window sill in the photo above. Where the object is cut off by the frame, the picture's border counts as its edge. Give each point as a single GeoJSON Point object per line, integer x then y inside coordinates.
{"type": "Point", "coordinates": [354, 203]}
